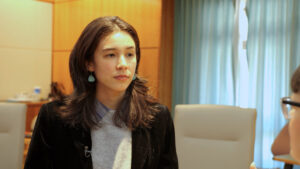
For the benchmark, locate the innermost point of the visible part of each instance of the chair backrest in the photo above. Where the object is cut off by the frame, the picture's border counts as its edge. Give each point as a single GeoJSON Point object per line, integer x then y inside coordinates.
{"type": "Point", "coordinates": [12, 129]}
{"type": "Point", "coordinates": [214, 136]}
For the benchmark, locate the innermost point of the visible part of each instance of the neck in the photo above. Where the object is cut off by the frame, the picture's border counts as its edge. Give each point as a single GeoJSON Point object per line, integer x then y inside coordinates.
{"type": "Point", "coordinates": [110, 99]}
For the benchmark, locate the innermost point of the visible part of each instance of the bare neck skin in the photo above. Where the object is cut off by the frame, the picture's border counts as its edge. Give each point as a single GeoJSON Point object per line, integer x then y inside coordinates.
{"type": "Point", "coordinates": [109, 98]}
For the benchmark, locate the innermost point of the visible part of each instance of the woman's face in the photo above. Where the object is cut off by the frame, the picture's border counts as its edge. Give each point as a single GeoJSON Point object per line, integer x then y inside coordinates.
{"type": "Point", "coordinates": [294, 128]}
{"type": "Point", "coordinates": [114, 62]}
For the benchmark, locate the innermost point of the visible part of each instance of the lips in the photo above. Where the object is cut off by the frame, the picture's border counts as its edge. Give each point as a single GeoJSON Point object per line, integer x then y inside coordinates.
{"type": "Point", "coordinates": [121, 77]}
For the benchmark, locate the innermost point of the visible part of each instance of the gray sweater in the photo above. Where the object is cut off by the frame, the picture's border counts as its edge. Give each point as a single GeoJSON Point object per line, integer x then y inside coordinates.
{"type": "Point", "coordinates": [111, 145]}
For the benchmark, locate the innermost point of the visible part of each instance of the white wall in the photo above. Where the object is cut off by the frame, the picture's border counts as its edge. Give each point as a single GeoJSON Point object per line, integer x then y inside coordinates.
{"type": "Point", "coordinates": [25, 46]}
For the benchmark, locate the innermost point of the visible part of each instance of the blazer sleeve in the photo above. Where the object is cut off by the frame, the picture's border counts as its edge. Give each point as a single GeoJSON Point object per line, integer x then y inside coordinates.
{"type": "Point", "coordinates": [38, 156]}
{"type": "Point", "coordinates": [168, 157]}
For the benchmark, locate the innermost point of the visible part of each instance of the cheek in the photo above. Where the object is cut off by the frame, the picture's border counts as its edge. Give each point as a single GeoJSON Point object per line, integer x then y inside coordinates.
{"type": "Point", "coordinates": [294, 131]}
{"type": "Point", "coordinates": [133, 65]}
{"type": "Point", "coordinates": [103, 69]}
{"type": "Point", "coordinates": [295, 125]}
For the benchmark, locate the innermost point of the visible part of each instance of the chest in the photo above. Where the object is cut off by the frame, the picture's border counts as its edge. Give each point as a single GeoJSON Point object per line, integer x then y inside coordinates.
{"type": "Point", "coordinates": [72, 148]}
{"type": "Point", "coordinates": [111, 147]}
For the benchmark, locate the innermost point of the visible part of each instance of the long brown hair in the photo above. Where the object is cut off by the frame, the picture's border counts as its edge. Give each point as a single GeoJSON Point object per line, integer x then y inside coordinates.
{"type": "Point", "coordinates": [136, 109]}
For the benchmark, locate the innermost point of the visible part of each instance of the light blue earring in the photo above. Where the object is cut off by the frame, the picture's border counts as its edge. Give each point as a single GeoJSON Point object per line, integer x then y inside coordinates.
{"type": "Point", "coordinates": [134, 77]}
{"type": "Point", "coordinates": [91, 78]}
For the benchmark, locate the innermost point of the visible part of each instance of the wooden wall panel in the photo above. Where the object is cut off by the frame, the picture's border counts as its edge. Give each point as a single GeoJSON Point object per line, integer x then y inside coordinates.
{"type": "Point", "coordinates": [69, 21]}
{"type": "Point", "coordinates": [70, 18]}
{"type": "Point", "coordinates": [148, 68]}
{"type": "Point", "coordinates": [60, 70]}
{"type": "Point", "coordinates": [166, 53]}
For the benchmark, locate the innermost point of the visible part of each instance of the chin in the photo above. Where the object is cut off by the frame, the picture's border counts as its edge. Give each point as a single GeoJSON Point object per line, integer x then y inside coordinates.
{"type": "Point", "coordinates": [120, 88]}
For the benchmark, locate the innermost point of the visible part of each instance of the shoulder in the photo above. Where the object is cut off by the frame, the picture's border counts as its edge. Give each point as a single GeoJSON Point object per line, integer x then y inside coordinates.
{"type": "Point", "coordinates": [49, 112]}
{"type": "Point", "coordinates": [163, 111]}
{"type": "Point", "coordinates": [48, 123]}
{"type": "Point", "coordinates": [53, 105]}
{"type": "Point", "coordinates": [163, 116]}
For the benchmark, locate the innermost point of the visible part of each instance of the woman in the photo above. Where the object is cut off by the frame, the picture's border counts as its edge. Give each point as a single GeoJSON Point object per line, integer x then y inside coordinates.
{"type": "Point", "coordinates": [109, 121]}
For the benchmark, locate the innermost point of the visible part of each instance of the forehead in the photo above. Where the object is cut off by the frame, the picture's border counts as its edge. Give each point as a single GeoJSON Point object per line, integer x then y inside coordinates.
{"type": "Point", "coordinates": [119, 39]}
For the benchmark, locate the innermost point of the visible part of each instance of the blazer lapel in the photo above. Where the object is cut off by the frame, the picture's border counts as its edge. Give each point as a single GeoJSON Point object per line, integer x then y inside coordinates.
{"type": "Point", "coordinates": [83, 144]}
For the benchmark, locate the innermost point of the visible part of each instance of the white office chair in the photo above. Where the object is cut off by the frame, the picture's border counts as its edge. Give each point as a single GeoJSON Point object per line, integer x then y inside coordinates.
{"type": "Point", "coordinates": [214, 136]}
{"type": "Point", "coordinates": [12, 128]}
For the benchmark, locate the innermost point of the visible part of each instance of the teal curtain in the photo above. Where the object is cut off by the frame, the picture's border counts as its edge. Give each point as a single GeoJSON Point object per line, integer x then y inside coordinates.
{"type": "Point", "coordinates": [273, 55]}
{"type": "Point", "coordinates": [204, 64]}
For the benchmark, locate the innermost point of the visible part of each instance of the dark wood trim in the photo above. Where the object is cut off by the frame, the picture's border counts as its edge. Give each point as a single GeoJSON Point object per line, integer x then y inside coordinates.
{"type": "Point", "coordinates": [166, 53]}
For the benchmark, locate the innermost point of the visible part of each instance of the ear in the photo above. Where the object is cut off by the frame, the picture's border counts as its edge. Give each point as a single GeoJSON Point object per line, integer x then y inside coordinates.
{"type": "Point", "coordinates": [90, 66]}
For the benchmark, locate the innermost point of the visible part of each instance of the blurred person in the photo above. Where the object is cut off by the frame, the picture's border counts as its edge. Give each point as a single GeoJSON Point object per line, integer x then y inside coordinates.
{"type": "Point", "coordinates": [293, 114]}
{"type": "Point", "coordinates": [288, 139]}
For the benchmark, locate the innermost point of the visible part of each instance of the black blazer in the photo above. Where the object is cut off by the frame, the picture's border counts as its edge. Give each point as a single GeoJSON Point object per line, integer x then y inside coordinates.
{"type": "Point", "coordinates": [54, 145]}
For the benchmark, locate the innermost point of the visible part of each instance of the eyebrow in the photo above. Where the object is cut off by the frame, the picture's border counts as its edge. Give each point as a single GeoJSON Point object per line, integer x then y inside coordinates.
{"type": "Point", "coordinates": [108, 49]}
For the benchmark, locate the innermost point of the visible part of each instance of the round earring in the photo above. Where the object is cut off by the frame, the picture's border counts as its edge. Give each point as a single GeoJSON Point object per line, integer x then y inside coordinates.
{"type": "Point", "coordinates": [91, 78]}
{"type": "Point", "coordinates": [134, 77]}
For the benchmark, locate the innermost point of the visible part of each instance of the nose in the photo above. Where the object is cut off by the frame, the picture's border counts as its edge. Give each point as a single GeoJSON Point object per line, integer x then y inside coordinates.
{"type": "Point", "coordinates": [122, 62]}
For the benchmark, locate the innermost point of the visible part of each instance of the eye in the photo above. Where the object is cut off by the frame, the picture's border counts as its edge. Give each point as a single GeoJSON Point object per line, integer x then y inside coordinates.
{"type": "Point", "coordinates": [130, 54]}
{"type": "Point", "coordinates": [110, 55]}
